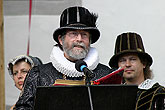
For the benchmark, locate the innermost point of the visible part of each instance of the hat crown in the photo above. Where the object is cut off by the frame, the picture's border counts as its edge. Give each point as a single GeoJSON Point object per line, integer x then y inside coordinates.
{"type": "Point", "coordinates": [77, 16]}
{"type": "Point", "coordinates": [129, 42]}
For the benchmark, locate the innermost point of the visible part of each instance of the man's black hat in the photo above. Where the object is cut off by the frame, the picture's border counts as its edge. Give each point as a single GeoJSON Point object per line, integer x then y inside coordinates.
{"type": "Point", "coordinates": [78, 18]}
{"type": "Point", "coordinates": [129, 43]}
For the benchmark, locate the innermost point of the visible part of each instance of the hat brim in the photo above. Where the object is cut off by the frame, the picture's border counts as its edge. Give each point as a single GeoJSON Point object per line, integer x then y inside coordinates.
{"type": "Point", "coordinates": [113, 63]}
{"type": "Point", "coordinates": [93, 31]}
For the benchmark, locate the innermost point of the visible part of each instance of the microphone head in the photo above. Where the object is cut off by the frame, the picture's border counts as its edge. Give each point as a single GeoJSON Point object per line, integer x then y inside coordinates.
{"type": "Point", "coordinates": [78, 65]}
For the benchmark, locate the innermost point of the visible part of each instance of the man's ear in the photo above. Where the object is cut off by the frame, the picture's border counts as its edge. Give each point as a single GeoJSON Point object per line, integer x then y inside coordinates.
{"type": "Point", "coordinates": [59, 39]}
{"type": "Point", "coordinates": [144, 64]}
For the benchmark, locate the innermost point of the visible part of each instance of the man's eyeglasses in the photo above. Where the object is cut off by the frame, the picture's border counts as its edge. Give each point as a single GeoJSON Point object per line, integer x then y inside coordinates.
{"type": "Point", "coordinates": [74, 34]}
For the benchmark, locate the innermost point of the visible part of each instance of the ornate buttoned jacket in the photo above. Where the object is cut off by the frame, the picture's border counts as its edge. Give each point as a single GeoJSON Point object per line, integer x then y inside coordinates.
{"type": "Point", "coordinates": [151, 97]}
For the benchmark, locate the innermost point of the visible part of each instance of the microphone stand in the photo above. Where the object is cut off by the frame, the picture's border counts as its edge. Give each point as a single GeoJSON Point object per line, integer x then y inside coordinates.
{"type": "Point", "coordinates": [88, 84]}
{"type": "Point", "coordinates": [90, 98]}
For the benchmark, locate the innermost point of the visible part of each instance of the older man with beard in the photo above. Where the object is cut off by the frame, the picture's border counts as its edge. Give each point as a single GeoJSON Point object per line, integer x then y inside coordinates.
{"type": "Point", "coordinates": [77, 31]}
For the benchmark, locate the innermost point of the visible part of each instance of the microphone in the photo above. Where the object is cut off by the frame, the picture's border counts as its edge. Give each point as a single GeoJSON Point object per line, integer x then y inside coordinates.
{"type": "Point", "coordinates": [81, 66]}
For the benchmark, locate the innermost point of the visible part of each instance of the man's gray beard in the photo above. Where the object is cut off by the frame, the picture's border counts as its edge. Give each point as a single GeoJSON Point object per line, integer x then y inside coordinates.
{"type": "Point", "coordinates": [76, 53]}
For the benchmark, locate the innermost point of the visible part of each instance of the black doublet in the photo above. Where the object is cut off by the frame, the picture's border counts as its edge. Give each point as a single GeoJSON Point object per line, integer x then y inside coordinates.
{"type": "Point", "coordinates": [45, 75]}
{"type": "Point", "coordinates": [151, 99]}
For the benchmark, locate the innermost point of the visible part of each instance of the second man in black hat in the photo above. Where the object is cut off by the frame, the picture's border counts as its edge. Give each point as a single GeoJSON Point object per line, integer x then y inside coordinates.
{"type": "Point", "coordinates": [130, 55]}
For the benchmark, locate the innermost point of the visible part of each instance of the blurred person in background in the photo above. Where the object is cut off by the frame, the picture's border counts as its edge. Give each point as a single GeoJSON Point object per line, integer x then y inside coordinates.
{"type": "Point", "coordinates": [19, 67]}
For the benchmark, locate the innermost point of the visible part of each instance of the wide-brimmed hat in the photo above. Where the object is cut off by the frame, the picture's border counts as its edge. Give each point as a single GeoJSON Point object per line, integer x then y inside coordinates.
{"type": "Point", "coordinates": [129, 42]}
{"type": "Point", "coordinates": [78, 18]}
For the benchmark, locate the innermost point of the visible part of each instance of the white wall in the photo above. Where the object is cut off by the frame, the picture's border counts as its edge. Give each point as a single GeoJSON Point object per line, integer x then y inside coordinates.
{"type": "Point", "coordinates": [145, 17]}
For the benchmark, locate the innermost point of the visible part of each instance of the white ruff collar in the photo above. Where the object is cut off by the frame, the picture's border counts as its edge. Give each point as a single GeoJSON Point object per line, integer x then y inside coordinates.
{"type": "Point", "coordinates": [147, 84]}
{"type": "Point", "coordinates": [67, 67]}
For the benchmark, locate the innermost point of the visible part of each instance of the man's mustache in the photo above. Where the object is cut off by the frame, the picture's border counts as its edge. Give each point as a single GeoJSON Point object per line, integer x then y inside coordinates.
{"type": "Point", "coordinates": [82, 45]}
